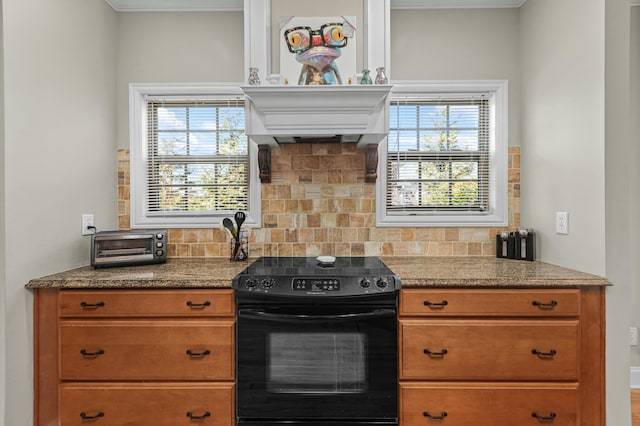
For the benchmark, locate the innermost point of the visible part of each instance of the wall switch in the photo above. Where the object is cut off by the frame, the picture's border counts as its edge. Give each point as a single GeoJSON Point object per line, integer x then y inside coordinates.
{"type": "Point", "coordinates": [633, 336]}
{"type": "Point", "coordinates": [562, 223]}
{"type": "Point", "coordinates": [88, 227]}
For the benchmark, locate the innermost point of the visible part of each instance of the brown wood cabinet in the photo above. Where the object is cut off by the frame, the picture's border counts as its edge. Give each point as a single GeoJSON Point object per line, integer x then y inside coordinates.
{"type": "Point", "coordinates": [502, 357]}
{"type": "Point", "coordinates": [148, 357]}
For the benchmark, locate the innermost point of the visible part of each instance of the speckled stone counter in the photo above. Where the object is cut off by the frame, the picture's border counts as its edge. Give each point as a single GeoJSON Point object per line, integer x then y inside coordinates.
{"type": "Point", "coordinates": [176, 273]}
{"type": "Point", "coordinates": [415, 272]}
{"type": "Point", "coordinates": [485, 272]}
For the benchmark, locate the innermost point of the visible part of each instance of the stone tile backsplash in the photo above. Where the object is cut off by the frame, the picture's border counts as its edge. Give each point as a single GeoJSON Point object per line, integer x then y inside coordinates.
{"type": "Point", "coordinates": [319, 204]}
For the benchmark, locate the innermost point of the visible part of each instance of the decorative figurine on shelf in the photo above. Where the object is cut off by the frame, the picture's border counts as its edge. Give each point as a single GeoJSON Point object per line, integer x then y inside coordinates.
{"type": "Point", "coordinates": [381, 77]}
{"type": "Point", "coordinates": [366, 78]}
{"type": "Point", "coordinates": [254, 79]}
{"type": "Point", "coordinates": [317, 50]}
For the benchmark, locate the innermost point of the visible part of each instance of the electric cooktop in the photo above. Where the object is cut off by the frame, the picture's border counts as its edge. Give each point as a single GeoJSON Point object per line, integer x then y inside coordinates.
{"type": "Point", "coordinates": [321, 276]}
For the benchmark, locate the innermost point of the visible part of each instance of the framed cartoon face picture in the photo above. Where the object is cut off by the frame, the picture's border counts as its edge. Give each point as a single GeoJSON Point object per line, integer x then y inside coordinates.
{"type": "Point", "coordinates": [318, 50]}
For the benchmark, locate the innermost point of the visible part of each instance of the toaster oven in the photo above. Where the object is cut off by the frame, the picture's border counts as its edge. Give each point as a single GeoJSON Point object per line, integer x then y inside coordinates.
{"type": "Point", "coordinates": [122, 248]}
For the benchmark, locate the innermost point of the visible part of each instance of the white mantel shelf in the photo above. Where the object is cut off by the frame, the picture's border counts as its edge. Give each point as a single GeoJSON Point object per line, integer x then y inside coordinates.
{"type": "Point", "coordinates": [293, 111]}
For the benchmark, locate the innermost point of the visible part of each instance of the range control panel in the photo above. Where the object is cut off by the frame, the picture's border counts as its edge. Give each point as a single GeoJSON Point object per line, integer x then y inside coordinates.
{"type": "Point", "coordinates": [315, 284]}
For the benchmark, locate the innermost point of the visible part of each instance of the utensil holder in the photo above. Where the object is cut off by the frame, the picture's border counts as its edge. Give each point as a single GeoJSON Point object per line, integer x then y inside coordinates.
{"type": "Point", "coordinates": [239, 248]}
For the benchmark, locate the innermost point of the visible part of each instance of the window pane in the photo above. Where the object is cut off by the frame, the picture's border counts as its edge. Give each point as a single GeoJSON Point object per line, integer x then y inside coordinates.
{"type": "Point", "coordinates": [172, 118]}
{"type": "Point", "coordinates": [202, 118]}
{"type": "Point", "coordinates": [463, 116]}
{"type": "Point", "coordinates": [433, 116]}
{"type": "Point", "coordinates": [433, 140]}
{"type": "Point", "coordinates": [172, 143]}
{"type": "Point", "coordinates": [464, 170]}
{"type": "Point", "coordinates": [435, 154]}
{"type": "Point", "coordinates": [233, 143]}
{"type": "Point", "coordinates": [467, 140]}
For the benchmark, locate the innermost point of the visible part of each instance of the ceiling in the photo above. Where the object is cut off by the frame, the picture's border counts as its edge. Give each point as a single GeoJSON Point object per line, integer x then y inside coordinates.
{"type": "Point", "coordinates": [235, 5]}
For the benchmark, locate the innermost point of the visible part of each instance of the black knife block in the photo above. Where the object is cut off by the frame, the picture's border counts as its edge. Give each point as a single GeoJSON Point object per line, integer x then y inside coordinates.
{"type": "Point", "coordinates": [525, 245]}
{"type": "Point", "coordinates": [506, 245]}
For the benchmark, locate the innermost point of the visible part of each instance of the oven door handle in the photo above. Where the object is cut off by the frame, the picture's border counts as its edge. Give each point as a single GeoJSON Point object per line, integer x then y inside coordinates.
{"type": "Point", "coordinates": [264, 315]}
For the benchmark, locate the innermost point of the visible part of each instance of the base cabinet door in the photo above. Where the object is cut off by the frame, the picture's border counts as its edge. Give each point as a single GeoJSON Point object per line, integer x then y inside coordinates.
{"type": "Point", "coordinates": [129, 404]}
{"type": "Point", "coordinates": [146, 350]}
{"type": "Point", "coordinates": [489, 350]}
{"type": "Point", "coordinates": [424, 404]}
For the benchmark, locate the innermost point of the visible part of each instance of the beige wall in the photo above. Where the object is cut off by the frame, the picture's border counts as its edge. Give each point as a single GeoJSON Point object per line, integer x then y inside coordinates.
{"type": "Point", "coordinates": [618, 188]}
{"type": "Point", "coordinates": [562, 71]}
{"type": "Point", "coordinates": [575, 151]}
{"type": "Point", "coordinates": [3, 224]}
{"type": "Point", "coordinates": [59, 158]}
{"type": "Point", "coordinates": [634, 201]}
{"type": "Point", "coordinates": [176, 48]}
{"type": "Point", "coordinates": [461, 44]}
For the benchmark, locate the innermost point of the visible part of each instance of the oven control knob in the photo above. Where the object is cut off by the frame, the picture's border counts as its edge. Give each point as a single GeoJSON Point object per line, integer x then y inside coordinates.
{"type": "Point", "coordinates": [382, 282]}
{"type": "Point", "coordinates": [268, 282]}
{"type": "Point", "coordinates": [365, 283]}
{"type": "Point", "coordinates": [250, 282]}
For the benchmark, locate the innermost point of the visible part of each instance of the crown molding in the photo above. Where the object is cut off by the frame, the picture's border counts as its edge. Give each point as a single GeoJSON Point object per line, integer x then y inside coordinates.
{"type": "Point", "coordinates": [238, 5]}
{"type": "Point", "coordinates": [176, 5]}
{"type": "Point", "coordinates": [455, 4]}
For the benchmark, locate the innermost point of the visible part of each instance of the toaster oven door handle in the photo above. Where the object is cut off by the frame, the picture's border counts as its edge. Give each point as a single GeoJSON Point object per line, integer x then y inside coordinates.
{"type": "Point", "coordinates": [273, 316]}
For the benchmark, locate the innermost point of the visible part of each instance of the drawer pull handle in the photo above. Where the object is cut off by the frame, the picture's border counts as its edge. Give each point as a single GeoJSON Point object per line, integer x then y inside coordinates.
{"type": "Point", "coordinates": [432, 417]}
{"type": "Point", "coordinates": [198, 354]}
{"type": "Point", "coordinates": [96, 353]}
{"type": "Point", "coordinates": [551, 417]}
{"type": "Point", "coordinates": [86, 305]}
{"type": "Point", "coordinates": [198, 305]}
{"type": "Point", "coordinates": [84, 416]}
{"type": "Point", "coordinates": [430, 353]}
{"type": "Point", "coordinates": [552, 352]}
{"type": "Point", "coordinates": [194, 417]}
{"type": "Point", "coordinates": [436, 305]}
{"type": "Point", "coordinates": [541, 305]}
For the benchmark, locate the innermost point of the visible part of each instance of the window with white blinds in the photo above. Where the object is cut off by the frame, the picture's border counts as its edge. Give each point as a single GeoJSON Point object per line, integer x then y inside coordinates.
{"type": "Point", "coordinates": [190, 156]}
{"type": "Point", "coordinates": [443, 162]}
{"type": "Point", "coordinates": [438, 155]}
{"type": "Point", "coordinates": [198, 157]}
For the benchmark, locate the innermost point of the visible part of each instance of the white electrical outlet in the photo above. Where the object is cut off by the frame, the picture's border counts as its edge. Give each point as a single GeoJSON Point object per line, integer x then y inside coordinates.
{"type": "Point", "coordinates": [562, 223]}
{"type": "Point", "coordinates": [87, 224]}
{"type": "Point", "coordinates": [633, 336]}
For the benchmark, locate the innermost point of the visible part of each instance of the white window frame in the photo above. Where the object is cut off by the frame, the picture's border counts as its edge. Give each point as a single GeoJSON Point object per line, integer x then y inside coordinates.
{"type": "Point", "coordinates": [138, 95]}
{"type": "Point", "coordinates": [497, 215]}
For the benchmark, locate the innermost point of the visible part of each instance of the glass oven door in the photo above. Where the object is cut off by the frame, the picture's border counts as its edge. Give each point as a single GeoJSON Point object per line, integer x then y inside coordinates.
{"type": "Point", "coordinates": [340, 365]}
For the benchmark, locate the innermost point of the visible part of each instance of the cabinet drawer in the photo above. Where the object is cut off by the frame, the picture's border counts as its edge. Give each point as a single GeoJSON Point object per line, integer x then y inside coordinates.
{"type": "Point", "coordinates": [469, 302]}
{"type": "Point", "coordinates": [162, 349]}
{"type": "Point", "coordinates": [143, 404]}
{"type": "Point", "coordinates": [488, 405]}
{"type": "Point", "coordinates": [488, 350]}
{"type": "Point", "coordinates": [143, 303]}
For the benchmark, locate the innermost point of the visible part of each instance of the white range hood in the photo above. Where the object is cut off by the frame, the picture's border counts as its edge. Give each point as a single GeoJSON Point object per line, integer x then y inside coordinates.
{"type": "Point", "coordinates": [301, 114]}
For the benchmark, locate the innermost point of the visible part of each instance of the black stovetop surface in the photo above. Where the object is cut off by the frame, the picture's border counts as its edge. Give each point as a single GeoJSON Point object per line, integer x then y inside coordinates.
{"type": "Point", "coordinates": [309, 266]}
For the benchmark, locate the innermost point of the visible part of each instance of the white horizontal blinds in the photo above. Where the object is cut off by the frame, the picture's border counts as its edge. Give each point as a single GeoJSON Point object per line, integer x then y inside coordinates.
{"type": "Point", "coordinates": [197, 157]}
{"type": "Point", "coordinates": [438, 155]}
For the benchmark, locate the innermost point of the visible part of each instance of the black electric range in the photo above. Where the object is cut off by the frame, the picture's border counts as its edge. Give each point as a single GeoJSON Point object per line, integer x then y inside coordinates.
{"type": "Point", "coordinates": [316, 342]}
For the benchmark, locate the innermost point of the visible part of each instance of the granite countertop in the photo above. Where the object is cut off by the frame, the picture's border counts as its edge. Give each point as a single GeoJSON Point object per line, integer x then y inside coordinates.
{"type": "Point", "coordinates": [415, 272]}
